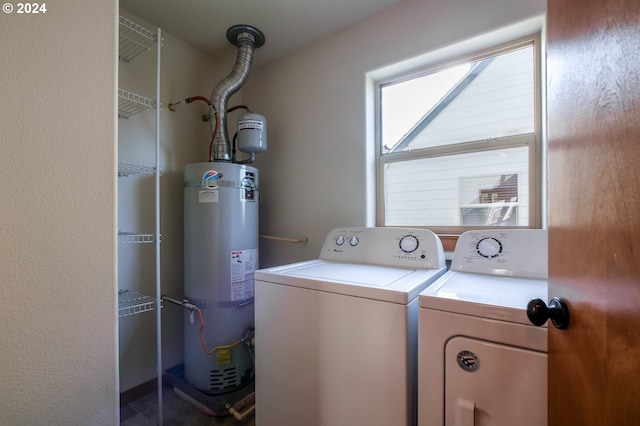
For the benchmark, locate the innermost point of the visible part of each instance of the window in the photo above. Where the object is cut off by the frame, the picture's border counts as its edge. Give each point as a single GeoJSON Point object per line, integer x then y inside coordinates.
{"type": "Point", "coordinates": [460, 143]}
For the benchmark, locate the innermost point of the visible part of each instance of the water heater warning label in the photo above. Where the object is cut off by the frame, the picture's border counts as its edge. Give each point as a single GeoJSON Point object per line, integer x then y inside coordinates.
{"type": "Point", "coordinates": [250, 124]}
{"type": "Point", "coordinates": [243, 266]}
{"type": "Point", "coordinates": [208, 196]}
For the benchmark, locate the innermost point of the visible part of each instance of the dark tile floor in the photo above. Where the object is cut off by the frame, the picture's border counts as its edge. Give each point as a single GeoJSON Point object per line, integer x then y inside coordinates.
{"type": "Point", "coordinates": [175, 412]}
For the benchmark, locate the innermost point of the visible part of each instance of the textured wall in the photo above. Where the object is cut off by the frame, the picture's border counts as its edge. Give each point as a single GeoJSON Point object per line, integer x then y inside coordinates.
{"type": "Point", "coordinates": [58, 321]}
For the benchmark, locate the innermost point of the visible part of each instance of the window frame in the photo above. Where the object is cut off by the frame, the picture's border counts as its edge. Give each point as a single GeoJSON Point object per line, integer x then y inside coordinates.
{"type": "Point", "coordinates": [534, 141]}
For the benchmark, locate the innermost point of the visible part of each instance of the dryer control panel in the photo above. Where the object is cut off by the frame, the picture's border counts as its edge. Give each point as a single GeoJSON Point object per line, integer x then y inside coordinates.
{"type": "Point", "coordinates": [403, 247]}
{"type": "Point", "coordinates": [509, 252]}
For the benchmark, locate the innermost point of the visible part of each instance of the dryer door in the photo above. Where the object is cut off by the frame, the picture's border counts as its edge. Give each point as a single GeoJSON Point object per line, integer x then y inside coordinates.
{"type": "Point", "coordinates": [493, 384]}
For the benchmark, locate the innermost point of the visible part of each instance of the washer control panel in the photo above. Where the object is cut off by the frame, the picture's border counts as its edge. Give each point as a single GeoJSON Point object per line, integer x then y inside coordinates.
{"type": "Point", "coordinates": [510, 252]}
{"type": "Point", "coordinates": [405, 247]}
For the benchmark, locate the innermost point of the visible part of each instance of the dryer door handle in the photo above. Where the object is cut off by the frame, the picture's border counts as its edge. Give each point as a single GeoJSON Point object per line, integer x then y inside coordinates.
{"type": "Point", "coordinates": [558, 312]}
{"type": "Point", "coordinates": [465, 412]}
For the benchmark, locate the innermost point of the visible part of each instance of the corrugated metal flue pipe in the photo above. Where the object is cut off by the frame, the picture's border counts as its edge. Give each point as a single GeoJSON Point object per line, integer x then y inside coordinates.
{"type": "Point", "coordinates": [246, 38]}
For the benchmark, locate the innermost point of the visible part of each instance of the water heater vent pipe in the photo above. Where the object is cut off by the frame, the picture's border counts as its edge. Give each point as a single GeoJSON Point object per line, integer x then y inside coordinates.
{"type": "Point", "coordinates": [246, 38]}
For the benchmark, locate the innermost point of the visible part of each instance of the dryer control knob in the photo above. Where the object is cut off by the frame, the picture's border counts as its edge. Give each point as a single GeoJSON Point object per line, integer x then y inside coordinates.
{"type": "Point", "coordinates": [354, 241]}
{"type": "Point", "coordinates": [340, 240]}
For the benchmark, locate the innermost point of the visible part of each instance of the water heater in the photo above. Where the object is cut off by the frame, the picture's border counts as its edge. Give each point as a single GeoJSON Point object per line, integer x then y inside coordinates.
{"type": "Point", "coordinates": [220, 255]}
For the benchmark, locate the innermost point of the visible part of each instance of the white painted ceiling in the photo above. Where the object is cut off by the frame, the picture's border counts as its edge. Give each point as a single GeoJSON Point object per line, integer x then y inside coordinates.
{"type": "Point", "coordinates": [286, 24]}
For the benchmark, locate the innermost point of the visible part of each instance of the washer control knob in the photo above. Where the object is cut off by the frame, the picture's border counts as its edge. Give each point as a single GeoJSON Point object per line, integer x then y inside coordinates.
{"type": "Point", "coordinates": [409, 243]}
{"type": "Point", "coordinates": [489, 247]}
{"type": "Point", "coordinates": [340, 240]}
{"type": "Point", "coordinates": [354, 241]}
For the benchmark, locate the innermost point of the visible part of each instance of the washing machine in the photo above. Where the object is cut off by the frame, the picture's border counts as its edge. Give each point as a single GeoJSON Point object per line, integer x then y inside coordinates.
{"type": "Point", "coordinates": [480, 361]}
{"type": "Point", "coordinates": [336, 337]}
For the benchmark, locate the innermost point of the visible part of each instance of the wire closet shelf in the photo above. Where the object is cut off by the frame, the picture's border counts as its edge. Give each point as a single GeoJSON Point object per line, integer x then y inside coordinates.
{"type": "Point", "coordinates": [134, 40]}
{"type": "Point", "coordinates": [132, 302]}
{"type": "Point", "coordinates": [130, 104]}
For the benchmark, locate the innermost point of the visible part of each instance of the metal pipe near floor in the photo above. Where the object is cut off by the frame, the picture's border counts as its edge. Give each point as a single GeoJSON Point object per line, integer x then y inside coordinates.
{"type": "Point", "coordinates": [235, 413]}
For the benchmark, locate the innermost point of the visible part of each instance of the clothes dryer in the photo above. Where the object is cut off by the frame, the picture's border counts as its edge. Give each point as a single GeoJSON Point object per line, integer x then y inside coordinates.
{"type": "Point", "coordinates": [481, 362]}
{"type": "Point", "coordinates": [336, 337]}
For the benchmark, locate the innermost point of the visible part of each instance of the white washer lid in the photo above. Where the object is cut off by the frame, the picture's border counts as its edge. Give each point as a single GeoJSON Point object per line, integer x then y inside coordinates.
{"type": "Point", "coordinates": [397, 285]}
{"type": "Point", "coordinates": [485, 296]}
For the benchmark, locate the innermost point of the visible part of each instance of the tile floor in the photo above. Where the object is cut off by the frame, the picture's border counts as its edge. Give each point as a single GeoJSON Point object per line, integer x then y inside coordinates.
{"type": "Point", "coordinates": [175, 412]}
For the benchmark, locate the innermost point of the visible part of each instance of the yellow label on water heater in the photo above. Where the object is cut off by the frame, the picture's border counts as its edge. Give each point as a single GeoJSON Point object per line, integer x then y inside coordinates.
{"type": "Point", "coordinates": [223, 355]}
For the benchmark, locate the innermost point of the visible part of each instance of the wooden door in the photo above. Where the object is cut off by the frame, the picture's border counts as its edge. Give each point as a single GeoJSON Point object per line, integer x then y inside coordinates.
{"type": "Point", "coordinates": [593, 120]}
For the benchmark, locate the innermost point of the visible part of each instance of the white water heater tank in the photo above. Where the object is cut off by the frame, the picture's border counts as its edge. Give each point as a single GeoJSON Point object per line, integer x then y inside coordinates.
{"type": "Point", "coordinates": [252, 133]}
{"type": "Point", "coordinates": [220, 257]}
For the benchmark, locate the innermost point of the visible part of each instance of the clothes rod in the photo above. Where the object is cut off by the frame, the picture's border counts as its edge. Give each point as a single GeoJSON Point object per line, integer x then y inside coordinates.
{"type": "Point", "coordinates": [285, 239]}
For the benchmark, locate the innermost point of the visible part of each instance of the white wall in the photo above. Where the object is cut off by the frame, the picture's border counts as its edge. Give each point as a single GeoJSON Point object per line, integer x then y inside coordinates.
{"type": "Point", "coordinates": [314, 176]}
{"type": "Point", "coordinates": [57, 216]}
{"type": "Point", "coordinates": [184, 139]}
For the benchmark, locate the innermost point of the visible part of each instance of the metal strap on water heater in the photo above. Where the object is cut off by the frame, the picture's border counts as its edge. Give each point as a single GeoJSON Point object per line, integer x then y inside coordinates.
{"type": "Point", "coordinates": [202, 183]}
{"type": "Point", "coordinates": [202, 303]}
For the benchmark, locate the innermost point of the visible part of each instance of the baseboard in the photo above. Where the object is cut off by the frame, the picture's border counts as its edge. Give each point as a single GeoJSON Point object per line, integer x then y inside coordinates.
{"type": "Point", "coordinates": [139, 391]}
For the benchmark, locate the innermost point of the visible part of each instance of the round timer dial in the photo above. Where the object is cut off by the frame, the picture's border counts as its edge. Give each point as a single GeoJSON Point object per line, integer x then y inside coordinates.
{"type": "Point", "coordinates": [409, 243]}
{"type": "Point", "coordinates": [489, 247]}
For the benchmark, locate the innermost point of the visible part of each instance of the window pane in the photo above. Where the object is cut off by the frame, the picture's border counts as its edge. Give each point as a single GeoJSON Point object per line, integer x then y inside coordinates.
{"type": "Point", "coordinates": [490, 98]}
{"type": "Point", "coordinates": [480, 188]}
